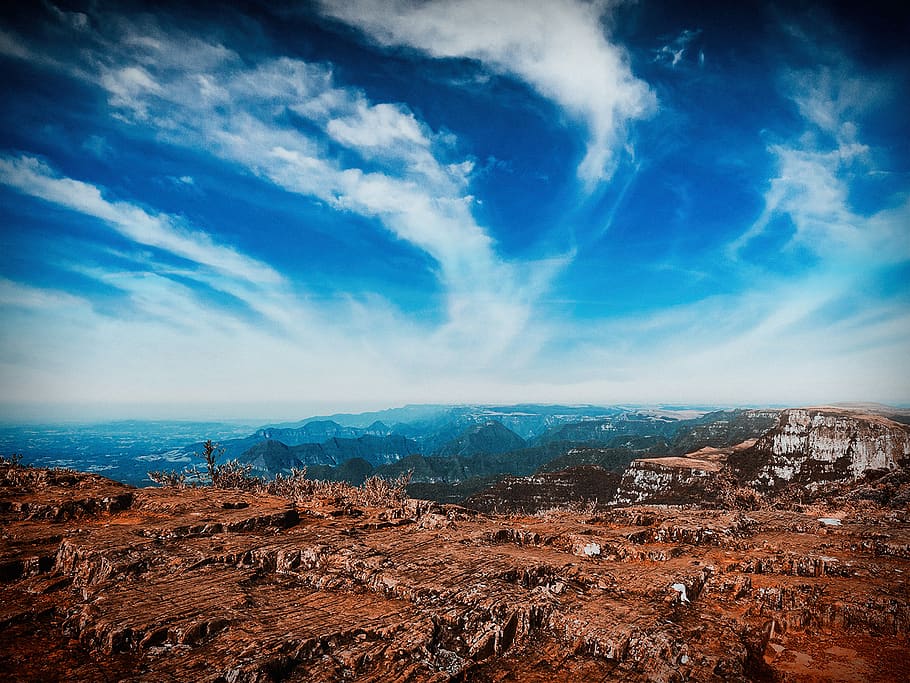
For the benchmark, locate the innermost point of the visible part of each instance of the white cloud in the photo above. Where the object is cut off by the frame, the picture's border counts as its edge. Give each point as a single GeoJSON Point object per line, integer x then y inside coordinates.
{"type": "Point", "coordinates": [32, 177]}
{"type": "Point", "coordinates": [814, 175]}
{"type": "Point", "coordinates": [76, 20]}
{"type": "Point", "coordinates": [97, 146]}
{"type": "Point", "coordinates": [130, 87]}
{"type": "Point", "coordinates": [11, 46]}
{"type": "Point", "coordinates": [417, 190]}
{"type": "Point", "coordinates": [381, 125]}
{"type": "Point", "coordinates": [765, 345]}
{"type": "Point", "coordinates": [347, 346]}
{"type": "Point", "coordinates": [832, 96]}
{"type": "Point", "coordinates": [558, 47]}
{"type": "Point", "coordinates": [18, 295]}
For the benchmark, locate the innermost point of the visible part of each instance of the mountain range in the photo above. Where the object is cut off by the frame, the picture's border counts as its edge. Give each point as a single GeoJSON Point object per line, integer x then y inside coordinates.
{"type": "Point", "coordinates": [453, 452]}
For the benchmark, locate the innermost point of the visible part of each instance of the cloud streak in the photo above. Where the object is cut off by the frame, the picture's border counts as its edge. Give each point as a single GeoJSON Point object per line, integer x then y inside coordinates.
{"type": "Point", "coordinates": [814, 174]}
{"type": "Point", "coordinates": [402, 175]}
{"type": "Point", "coordinates": [32, 177]}
{"type": "Point", "coordinates": [557, 47]}
{"type": "Point", "coordinates": [240, 114]}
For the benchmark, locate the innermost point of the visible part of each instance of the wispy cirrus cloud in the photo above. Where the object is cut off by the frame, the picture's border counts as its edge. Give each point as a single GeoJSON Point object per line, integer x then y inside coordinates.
{"type": "Point", "coordinates": [557, 47]}
{"type": "Point", "coordinates": [203, 96]}
{"type": "Point", "coordinates": [815, 173]}
{"type": "Point", "coordinates": [33, 177]}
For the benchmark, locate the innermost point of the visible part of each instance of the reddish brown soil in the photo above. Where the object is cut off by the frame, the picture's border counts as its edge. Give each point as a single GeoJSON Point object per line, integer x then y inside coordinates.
{"type": "Point", "coordinates": [104, 582]}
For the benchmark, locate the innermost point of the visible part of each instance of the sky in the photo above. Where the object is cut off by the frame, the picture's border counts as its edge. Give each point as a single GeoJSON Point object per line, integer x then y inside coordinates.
{"type": "Point", "coordinates": [278, 209]}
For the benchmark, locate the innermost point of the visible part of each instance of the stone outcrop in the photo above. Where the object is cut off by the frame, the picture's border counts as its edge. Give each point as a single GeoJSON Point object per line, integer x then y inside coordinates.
{"type": "Point", "coordinates": [675, 480]}
{"type": "Point", "coordinates": [816, 446]}
{"type": "Point", "coordinates": [216, 585]}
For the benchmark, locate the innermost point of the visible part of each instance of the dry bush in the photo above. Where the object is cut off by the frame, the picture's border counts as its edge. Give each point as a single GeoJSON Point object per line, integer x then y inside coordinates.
{"type": "Point", "coordinates": [229, 475]}
{"type": "Point", "coordinates": [168, 478]}
{"type": "Point", "coordinates": [295, 486]}
{"type": "Point", "coordinates": [388, 492]}
{"type": "Point", "coordinates": [210, 453]}
{"type": "Point", "coordinates": [236, 475]}
{"type": "Point", "coordinates": [375, 491]}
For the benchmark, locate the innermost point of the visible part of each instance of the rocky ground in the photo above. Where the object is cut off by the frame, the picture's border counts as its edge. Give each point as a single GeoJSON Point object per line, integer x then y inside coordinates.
{"type": "Point", "coordinates": [99, 581]}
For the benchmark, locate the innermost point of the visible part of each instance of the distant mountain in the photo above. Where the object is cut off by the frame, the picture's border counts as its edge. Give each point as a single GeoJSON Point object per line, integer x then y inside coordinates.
{"type": "Point", "coordinates": [312, 432]}
{"type": "Point", "coordinates": [354, 471]}
{"type": "Point", "coordinates": [377, 450]}
{"type": "Point", "coordinates": [605, 431]}
{"type": "Point", "coordinates": [526, 420]}
{"type": "Point", "coordinates": [456, 469]}
{"type": "Point", "coordinates": [449, 445]}
{"type": "Point", "coordinates": [530, 421]}
{"type": "Point", "coordinates": [609, 459]}
{"type": "Point", "coordinates": [607, 451]}
{"type": "Point", "coordinates": [233, 448]}
{"type": "Point", "coordinates": [271, 457]}
{"type": "Point", "coordinates": [452, 444]}
{"type": "Point", "coordinates": [405, 415]}
{"type": "Point", "coordinates": [378, 428]}
{"type": "Point", "coordinates": [490, 438]}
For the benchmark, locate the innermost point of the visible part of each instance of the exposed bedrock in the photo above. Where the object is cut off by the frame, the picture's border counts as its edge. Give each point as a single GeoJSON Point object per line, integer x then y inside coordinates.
{"type": "Point", "coordinates": [209, 585]}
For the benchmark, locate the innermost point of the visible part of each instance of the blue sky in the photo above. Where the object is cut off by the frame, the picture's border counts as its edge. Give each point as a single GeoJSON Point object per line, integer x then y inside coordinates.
{"type": "Point", "coordinates": [342, 205]}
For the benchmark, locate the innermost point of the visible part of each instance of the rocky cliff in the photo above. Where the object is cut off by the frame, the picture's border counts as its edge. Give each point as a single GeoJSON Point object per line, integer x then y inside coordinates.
{"type": "Point", "coordinates": [99, 581]}
{"type": "Point", "coordinates": [671, 480]}
{"type": "Point", "coordinates": [809, 450]}
{"type": "Point", "coordinates": [815, 446]}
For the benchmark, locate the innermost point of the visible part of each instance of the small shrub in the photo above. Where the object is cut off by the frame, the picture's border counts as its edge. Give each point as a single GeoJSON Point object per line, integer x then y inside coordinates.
{"type": "Point", "coordinates": [236, 475]}
{"type": "Point", "coordinates": [168, 478]}
{"type": "Point", "coordinates": [14, 459]}
{"type": "Point", "coordinates": [210, 453]}
{"type": "Point", "coordinates": [379, 491]}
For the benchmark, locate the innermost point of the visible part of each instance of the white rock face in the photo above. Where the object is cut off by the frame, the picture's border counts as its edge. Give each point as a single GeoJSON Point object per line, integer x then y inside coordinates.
{"type": "Point", "coordinates": [645, 480]}
{"type": "Point", "coordinates": [818, 443]}
{"type": "Point", "coordinates": [808, 446]}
